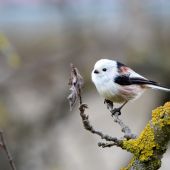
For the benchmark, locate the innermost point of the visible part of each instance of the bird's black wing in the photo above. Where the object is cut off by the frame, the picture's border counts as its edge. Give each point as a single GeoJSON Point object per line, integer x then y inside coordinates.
{"type": "Point", "coordinates": [119, 65]}
{"type": "Point", "coordinates": [127, 80]}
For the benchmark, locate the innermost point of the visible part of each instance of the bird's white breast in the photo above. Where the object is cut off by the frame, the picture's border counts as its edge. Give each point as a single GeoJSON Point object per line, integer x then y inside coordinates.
{"type": "Point", "coordinates": [107, 88]}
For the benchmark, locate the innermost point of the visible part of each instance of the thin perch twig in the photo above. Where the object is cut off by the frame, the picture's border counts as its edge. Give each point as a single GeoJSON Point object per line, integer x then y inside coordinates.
{"type": "Point", "coordinates": [124, 128]}
{"type": "Point", "coordinates": [76, 83]}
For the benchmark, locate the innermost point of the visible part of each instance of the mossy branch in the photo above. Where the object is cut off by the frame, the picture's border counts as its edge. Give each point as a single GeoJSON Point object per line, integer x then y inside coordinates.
{"type": "Point", "coordinates": [148, 148]}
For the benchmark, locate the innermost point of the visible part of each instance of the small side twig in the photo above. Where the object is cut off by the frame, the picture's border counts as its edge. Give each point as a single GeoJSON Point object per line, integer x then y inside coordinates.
{"type": "Point", "coordinates": [104, 145]}
{"type": "Point", "coordinates": [4, 146]}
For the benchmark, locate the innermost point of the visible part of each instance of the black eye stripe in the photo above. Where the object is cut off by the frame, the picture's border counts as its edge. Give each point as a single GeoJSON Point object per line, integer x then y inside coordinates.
{"type": "Point", "coordinates": [104, 69]}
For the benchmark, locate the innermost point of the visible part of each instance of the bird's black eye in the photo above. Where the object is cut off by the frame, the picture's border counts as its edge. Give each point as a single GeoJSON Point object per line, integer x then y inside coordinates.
{"type": "Point", "coordinates": [104, 69]}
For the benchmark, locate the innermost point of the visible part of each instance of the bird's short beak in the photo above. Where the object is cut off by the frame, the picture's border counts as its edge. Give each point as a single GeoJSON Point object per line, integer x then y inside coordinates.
{"type": "Point", "coordinates": [96, 71]}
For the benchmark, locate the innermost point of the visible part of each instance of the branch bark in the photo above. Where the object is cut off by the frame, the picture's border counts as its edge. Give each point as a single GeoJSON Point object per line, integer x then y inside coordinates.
{"type": "Point", "coordinates": [148, 148]}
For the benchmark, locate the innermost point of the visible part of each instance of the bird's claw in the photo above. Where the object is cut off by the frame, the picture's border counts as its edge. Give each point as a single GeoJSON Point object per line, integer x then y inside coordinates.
{"type": "Point", "coordinates": [116, 111]}
{"type": "Point", "coordinates": [108, 103]}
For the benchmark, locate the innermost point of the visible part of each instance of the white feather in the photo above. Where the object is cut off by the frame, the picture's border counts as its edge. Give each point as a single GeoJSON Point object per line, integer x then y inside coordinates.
{"type": "Point", "coordinates": [159, 88]}
{"type": "Point", "coordinates": [104, 82]}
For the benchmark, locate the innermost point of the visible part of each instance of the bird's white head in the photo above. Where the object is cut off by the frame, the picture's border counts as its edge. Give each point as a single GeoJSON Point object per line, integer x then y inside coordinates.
{"type": "Point", "coordinates": [103, 71]}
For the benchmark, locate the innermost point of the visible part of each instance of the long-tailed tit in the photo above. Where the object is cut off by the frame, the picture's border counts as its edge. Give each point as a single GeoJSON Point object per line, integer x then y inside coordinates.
{"type": "Point", "coordinates": [118, 83]}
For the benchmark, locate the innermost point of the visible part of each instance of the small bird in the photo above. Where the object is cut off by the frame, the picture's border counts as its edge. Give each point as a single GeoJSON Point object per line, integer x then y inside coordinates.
{"type": "Point", "coordinates": [118, 83]}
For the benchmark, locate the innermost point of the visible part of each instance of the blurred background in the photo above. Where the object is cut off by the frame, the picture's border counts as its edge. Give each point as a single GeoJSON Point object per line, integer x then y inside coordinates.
{"type": "Point", "coordinates": [38, 41]}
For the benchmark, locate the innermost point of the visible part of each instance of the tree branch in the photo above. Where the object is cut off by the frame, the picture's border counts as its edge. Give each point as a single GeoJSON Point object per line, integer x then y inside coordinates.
{"type": "Point", "coordinates": [147, 149]}
{"type": "Point", "coordinates": [5, 148]}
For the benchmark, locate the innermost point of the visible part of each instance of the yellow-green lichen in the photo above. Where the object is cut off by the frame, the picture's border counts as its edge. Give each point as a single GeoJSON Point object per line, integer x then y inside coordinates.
{"type": "Point", "coordinates": [142, 147]}
{"type": "Point", "coordinates": [159, 114]}
{"type": "Point", "coordinates": [152, 142]}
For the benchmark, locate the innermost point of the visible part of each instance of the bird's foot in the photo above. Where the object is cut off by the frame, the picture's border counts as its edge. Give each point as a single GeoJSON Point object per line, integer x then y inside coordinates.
{"type": "Point", "coordinates": [116, 111]}
{"type": "Point", "coordinates": [109, 104]}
